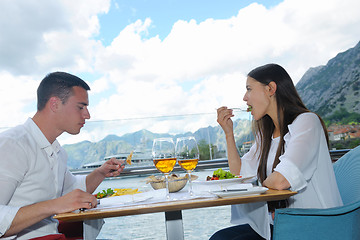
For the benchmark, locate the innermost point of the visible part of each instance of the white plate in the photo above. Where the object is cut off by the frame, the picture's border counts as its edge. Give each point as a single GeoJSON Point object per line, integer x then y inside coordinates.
{"type": "Point", "coordinates": [224, 181]}
{"type": "Point", "coordinates": [250, 191]}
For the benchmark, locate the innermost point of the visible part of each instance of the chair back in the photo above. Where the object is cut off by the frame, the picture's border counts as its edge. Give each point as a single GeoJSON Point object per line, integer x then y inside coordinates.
{"type": "Point", "coordinates": [347, 172]}
{"type": "Point", "coordinates": [331, 223]}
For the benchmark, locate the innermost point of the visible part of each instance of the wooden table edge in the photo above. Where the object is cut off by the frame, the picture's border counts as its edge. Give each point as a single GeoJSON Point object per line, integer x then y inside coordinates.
{"type": "Point", "coordinates": [270, 195]}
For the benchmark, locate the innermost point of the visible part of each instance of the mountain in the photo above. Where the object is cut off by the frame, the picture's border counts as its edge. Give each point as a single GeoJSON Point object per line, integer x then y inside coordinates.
{"type": "Point", "coordinates": [87, 152]}
{"type": "Point", "coordinates": [326, 89]}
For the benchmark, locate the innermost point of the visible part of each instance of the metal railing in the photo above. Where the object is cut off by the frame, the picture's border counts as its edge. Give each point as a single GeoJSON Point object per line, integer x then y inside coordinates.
{"type": "Point", "coordinates": [204, 164]}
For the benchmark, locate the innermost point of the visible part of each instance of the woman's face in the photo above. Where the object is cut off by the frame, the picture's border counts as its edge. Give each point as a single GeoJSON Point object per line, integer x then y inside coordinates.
{"type": "Point", "coordinates": [257, 97]}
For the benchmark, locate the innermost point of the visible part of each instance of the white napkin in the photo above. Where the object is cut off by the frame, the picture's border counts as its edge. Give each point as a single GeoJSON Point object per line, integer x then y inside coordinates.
{"type": "Point", "coordinates": [124, 199]}
{"type": "Point", "coordinates": [152, 196]}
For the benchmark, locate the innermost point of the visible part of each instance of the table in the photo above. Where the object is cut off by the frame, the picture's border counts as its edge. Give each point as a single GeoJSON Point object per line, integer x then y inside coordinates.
{"type": "Point", "coordinates": [172, 209]}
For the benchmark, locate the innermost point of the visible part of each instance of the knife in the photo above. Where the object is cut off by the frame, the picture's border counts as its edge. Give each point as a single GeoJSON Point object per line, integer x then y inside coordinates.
{"type": "Point", "coordinates": [232, 190]}
{"type": "Point", "coordinates": [83, 209]}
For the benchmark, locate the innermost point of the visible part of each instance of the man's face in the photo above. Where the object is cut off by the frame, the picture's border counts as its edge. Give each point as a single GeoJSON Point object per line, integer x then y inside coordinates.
{"type": "Point", "coordinates": [75, 111]}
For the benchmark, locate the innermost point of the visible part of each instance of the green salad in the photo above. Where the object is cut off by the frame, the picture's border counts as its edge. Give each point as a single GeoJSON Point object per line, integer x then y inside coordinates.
{"type": "Point", "coordinates": [221, 174]}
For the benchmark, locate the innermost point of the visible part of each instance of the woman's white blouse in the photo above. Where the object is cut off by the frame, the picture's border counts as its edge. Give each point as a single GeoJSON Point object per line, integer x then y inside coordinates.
{"type": "Point", "coordinates": [307, 166]}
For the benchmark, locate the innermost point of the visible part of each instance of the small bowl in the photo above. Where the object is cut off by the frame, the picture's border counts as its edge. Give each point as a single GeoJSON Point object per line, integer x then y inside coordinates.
{"type": "Point", "coordinates": [175, 183]}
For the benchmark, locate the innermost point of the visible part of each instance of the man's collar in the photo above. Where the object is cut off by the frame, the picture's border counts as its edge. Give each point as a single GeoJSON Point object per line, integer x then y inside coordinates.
{"type": "Point", "coordinates": [40, 138]}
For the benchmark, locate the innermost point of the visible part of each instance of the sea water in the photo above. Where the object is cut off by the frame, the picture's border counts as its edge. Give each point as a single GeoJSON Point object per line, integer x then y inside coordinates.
{"type": "Point", "coordinates": [198, 223]}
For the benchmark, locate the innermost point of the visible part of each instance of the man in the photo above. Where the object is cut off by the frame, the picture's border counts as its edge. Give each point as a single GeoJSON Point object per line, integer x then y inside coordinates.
{"type": "Point", "coordinates": [34, 179]}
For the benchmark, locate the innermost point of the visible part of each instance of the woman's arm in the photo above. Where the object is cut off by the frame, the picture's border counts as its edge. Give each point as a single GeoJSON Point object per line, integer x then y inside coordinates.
{"type": "Point", "coordinates": [233, 155]}
{"type": "Point", "coordinates": [224, 119]}
{"type": "Point", "coordinates": [298, 162]}
{"type": "Point", "coordinates": [276, 181]}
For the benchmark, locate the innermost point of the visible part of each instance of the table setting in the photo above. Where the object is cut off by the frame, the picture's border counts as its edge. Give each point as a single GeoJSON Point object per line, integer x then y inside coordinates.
{"type": "Point", "coordinates": [170, 194]}
{"type": "Point", "coordinates": [174, 187]}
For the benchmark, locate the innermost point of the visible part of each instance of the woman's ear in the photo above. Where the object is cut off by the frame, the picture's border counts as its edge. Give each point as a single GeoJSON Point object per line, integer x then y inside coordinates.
{"type": "Point", "coordinates": [272, 88]}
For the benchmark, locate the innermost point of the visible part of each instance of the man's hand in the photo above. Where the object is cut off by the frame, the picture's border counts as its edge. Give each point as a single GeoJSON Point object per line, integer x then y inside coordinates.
{"type": "Point", "coordinates": [74, 200]}
{"type": "Point", "coordinates": [111, 168]}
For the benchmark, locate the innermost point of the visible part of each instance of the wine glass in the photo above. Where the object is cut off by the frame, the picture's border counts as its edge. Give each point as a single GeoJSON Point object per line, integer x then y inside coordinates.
{"type": "Point", "coordinates": [163, 153]}
{"type": "Point", "coordinates": [187, 154]}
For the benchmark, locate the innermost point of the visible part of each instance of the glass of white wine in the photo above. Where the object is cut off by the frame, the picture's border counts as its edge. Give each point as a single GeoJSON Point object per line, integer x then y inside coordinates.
{"type": "Point", "coordinates": [187, 154]}
{"type": "Point", "coordinates": [163, 154]}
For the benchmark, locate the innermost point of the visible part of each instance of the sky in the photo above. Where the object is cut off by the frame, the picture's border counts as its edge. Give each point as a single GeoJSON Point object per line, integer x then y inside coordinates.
{"type": "Point", "coordinates": [164, 66]}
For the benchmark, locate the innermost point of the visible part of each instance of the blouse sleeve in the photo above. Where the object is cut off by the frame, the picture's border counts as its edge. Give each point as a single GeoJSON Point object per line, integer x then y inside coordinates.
{"type": "Point", "coordinates": [298, 163]}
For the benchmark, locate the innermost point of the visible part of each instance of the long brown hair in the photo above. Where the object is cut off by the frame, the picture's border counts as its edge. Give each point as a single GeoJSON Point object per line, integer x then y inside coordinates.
{"type": "Point", "coordinates": [289, 105]}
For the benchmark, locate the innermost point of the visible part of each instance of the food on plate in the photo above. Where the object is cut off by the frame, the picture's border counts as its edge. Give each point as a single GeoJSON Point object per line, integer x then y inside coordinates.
{"type": "Point", "coordinates": [171, 177]}
{"type": "Point", "coordinates": [176, 183]}
{"type": "Point", "coordinates": [116, 192]}
{"type": "Point", "coordinates": [128, 159]}
{"type": "Point", "coordinates": [104, 193]}
{"type": "Point", "coordinates": [220, 174]}
{"type": "Point", "coordinates": [125, 191]}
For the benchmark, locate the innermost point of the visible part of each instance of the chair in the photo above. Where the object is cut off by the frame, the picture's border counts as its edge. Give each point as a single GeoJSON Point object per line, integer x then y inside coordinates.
{"type": "Point", "coordinates": [71, 230]}
{"type": "Point", "coordinates": [332, 223]}
{"type": "Point", "coordinates": [347, 172]}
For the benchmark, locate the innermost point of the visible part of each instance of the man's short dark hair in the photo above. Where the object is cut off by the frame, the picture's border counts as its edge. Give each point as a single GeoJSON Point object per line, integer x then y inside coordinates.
{"type": "Point", "coordinates": [58, 84]}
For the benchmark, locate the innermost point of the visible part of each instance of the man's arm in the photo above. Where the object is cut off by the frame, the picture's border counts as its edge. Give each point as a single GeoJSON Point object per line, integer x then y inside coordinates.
{"type": "Point", "coordinates": [31, 214]}
{"type": "Point", "coordinates": [110, 168]}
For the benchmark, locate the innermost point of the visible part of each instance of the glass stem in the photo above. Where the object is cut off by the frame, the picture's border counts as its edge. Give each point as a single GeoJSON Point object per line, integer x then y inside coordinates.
{"type": "Point", "coordinates": [190, 184]}
{"type": "Point", "coordinates": [167, 186]}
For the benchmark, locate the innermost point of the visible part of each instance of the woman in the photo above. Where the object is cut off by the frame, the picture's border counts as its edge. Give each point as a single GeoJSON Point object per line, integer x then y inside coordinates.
{"type": "Point", "coordinates": [290, 152]}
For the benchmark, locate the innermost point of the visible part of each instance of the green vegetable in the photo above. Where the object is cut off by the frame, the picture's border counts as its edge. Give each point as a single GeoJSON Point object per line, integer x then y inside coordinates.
{"type": "Point", "coordinates": [104, 193]}
{"type": "Point", "coordinates": [221, 174]}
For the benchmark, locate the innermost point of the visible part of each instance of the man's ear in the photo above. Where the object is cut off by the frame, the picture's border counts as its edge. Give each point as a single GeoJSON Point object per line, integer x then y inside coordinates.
{"type": "Point", "coordinates": [54, 103]}
{"type": "Point", "coordinates": [272, 88]}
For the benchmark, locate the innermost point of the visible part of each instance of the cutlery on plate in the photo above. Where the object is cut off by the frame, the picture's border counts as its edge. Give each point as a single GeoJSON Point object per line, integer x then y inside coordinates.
{"type": "Point", "coordinates": [232, 190]}
{"type": "Point", "coordinates": [83, 209]}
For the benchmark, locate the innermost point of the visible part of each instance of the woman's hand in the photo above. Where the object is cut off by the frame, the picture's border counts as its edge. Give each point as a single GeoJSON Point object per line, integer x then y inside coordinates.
{"type": "Point", "coordinates": [224, 119]}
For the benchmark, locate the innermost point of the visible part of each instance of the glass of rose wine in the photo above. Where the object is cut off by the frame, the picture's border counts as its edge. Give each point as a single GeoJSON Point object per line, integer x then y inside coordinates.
{"type": "Point", "coordinates": [163, 154]}
{"type": "Point", "coordinates": [187, 154]}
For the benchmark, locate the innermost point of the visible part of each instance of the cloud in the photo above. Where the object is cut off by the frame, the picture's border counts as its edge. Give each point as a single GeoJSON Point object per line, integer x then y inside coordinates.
{"type": "Point", "coordinates": [198, 66]}
{"type": "Point", "coordinates": [15, 95]}
{"type": "Point", "coordinates": [149, 73]}
{"type": "Point", "coordinates": [39, 36]}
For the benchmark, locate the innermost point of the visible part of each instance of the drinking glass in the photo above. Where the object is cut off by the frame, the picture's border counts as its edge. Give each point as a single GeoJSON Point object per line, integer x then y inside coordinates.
{"type": "Point", "coordinates": [187, 154]}
{"type": "Point", "coordinates": [163, 153]}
